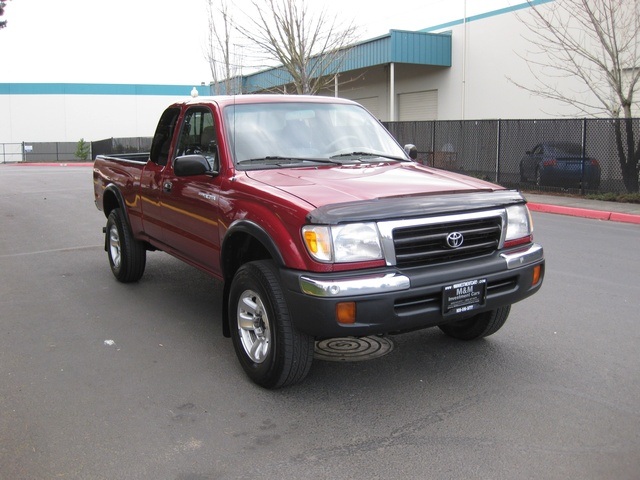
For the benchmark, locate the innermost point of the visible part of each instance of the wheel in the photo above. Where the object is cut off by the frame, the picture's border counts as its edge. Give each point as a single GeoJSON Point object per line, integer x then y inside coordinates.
{"type": "Point", "coordinates": [270, 350]}
{"type": "Point", "coordinates": [127, 256]}
{"type": "Point", "coordinates": [478, 326]}
{"type": "Point", "coordinates": [523, 176]}
{"type": "Point", "coordinates": [538, 177]}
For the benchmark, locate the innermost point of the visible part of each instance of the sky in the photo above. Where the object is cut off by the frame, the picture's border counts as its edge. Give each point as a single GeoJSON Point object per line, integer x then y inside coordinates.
{"type": "Point", "coordinates": [163, 41]}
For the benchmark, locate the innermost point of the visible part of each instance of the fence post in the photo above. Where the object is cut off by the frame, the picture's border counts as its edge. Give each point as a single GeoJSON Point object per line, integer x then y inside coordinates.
{"type": "Point", "coordinates": [584, 154]}
{"type": "Point", "coordinates": [4, 158]}
{"type": "Point", "coordinates": [498, 152]}
{"type": "Point", "coordinates": [433, 144]}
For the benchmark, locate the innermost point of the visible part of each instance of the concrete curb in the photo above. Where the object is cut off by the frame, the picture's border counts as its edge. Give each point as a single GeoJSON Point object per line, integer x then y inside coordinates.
{"type": "Point", "coordinates": [585, 213]}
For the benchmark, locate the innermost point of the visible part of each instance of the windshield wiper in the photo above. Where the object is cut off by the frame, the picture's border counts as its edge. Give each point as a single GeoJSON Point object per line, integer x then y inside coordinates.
{"type": "Point", "coordinates": [278, 159]}
{"type": "Point", "coordinates": [369, 154]}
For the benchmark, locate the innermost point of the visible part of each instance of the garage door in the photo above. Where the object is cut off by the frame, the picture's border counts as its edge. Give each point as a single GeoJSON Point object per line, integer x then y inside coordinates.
{"type": "Point", "coordinates": [370, 103]}
{"type": "Point", "coordinates": [417, 106]}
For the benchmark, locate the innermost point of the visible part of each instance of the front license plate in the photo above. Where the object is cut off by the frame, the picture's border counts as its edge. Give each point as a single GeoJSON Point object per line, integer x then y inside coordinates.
{"type": "Point", "coordinates": [464, 296]}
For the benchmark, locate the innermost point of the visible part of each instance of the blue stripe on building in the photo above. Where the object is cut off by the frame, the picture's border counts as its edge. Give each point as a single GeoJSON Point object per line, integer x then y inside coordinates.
{"type": "Point", "coordinates": [482, 16]}
{"type": "Point", "coordinates": [99, 89]}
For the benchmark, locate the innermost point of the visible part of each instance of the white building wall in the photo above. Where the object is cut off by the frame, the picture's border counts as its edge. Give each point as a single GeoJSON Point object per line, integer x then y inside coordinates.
{"type": "Point", "coordinates": [68, 118]}
{"type": "Point", "coordinates": [476, 86]}
{"type": "Point", "coordinates": [486, 53]}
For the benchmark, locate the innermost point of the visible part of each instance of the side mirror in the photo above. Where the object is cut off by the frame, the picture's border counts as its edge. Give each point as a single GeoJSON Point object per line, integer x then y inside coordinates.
{"type": "Point", "coordinates": [189, 165]}
{"type": "Point", "coordinates": [411, 150]}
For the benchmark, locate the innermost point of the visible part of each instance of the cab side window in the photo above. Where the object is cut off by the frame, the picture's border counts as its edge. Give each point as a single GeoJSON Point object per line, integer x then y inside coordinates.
{"type": "Point", "coordinates": [198, 136]}
{"type": "Point", "coordinates": [161, 143]}
{"type": "Point", "coordinates": [198, 132]}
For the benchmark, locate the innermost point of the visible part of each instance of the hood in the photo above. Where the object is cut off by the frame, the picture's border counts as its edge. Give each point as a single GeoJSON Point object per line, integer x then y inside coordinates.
{"type": "Point", "coordinates": [348, 183]}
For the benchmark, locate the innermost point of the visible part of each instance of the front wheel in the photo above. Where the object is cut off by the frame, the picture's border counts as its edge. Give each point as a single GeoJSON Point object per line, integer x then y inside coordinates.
{"type": "Point", "coordinates": [127, 256]}
{"type": "Point", "coordinates": [478, 326]}
{"type": "Point", "coordinates": [271, 351]}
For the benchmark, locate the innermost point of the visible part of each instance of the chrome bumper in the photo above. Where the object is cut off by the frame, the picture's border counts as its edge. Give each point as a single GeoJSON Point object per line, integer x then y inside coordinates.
{"type": "Point", "coordinates": [395, 282]}
{"type": "Point", "coordinates": [363, 285]}
{"type": "Point", "coordinates": [533, 254]}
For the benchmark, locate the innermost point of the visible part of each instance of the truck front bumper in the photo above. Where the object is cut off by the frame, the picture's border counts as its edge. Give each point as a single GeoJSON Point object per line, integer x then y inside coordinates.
{"type": "Point", "coordinates": [390, 300]}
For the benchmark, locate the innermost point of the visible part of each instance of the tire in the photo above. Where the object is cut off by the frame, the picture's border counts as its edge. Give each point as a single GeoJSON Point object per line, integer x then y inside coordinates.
{"type": "Point", "coordinates": [478, 326]}
{"type": "Point", "coordinates": [538, 177]}
{"type": "Point", "coordinates": [272, 353]}
{"type": "Point", "coordinates": [523, 176]}
{"type": "Point", "coordinates": [127, 256]}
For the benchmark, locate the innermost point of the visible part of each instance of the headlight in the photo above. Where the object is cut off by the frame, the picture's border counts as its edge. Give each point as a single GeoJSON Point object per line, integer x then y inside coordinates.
{"type": "Point", "coordinates": [353, 242]}
{"type": "Point", "coordinates": [519, 226]}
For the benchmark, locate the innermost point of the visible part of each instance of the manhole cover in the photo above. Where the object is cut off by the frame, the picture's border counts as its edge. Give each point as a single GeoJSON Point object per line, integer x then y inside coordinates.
{"type": "Point", "coordinates": [351, 349]}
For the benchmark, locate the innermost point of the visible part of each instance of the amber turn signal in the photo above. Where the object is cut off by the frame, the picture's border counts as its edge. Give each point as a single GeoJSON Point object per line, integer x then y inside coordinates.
{"type": "Point", "coordinates": [346, 312]}
{"type": "Point", "coordinates": [537, 273]}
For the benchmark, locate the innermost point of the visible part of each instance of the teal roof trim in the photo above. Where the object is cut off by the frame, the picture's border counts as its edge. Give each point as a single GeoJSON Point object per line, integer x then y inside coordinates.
{"type": "Point", "coordinates": [98, 89]}
{"type": "Point", "coordinates": [398, 46]}
{"type": "Point", "coordinates": [481, 16]}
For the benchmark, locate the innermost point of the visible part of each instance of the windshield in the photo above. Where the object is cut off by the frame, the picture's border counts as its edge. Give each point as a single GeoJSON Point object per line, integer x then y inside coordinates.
{"type": "Point", "coordinates": [272, 135]}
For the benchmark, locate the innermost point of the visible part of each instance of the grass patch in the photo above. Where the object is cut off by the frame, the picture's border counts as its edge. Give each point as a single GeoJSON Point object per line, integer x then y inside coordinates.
{"type": "Point", "coordinates": [615, 197]}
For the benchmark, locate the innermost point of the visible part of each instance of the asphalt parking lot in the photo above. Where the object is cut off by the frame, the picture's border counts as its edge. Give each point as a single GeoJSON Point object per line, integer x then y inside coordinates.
{"type": "Point", "coordinates": [101, 380]}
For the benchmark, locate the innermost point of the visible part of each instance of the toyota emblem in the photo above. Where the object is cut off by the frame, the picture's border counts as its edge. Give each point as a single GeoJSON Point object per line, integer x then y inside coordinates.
{"type": "Point", "coordinates": [455, 239]}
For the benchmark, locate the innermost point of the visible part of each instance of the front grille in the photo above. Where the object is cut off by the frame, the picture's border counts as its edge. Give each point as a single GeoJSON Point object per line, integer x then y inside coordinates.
{"type": "Point", "coordinates": [427, 244]}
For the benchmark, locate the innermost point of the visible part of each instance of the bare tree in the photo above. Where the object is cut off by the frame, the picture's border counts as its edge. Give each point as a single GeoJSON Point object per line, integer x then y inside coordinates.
{"type": "Point", "coordinates": [2, 7]}
{"type": "Point", "coordinates": [595, 42]}
{"type": "Point", "coordinates": [310, 45]}
{"type": "Point", "coordinates": [223, 63]}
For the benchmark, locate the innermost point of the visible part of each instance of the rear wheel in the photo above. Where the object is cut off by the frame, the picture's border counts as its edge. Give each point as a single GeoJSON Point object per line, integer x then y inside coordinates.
{"type": "Point", "coordinates": [270, 350]}
{"type": "Point", "coordinates": [538, 177]}
{"type": "Point", "coordinates": [127, 256]}
{"type": "Point", "coordinates": [523, 177]}
{"type": "Point", "coordinates": [478, 326]}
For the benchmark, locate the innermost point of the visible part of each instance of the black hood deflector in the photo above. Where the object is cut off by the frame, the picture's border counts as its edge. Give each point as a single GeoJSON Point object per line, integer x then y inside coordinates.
{"type": "Point", "coordinates": [395, 208]}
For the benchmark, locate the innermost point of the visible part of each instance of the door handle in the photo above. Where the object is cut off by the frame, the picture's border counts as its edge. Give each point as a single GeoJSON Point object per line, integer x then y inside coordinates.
{"type": "Point", "coordinates": [167, 186]}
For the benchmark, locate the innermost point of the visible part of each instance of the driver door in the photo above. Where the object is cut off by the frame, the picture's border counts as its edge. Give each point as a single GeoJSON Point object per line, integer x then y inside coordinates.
{"type": "Point", "coordinates": [190, 203]}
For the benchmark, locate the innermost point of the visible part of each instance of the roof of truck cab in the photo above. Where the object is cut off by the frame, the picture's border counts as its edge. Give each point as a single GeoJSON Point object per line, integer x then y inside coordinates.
{"type": "Point", "coordinates": [225, 100]}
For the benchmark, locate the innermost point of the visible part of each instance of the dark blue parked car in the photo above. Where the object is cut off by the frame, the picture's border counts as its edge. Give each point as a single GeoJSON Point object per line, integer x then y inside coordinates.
{"type": "Point", "coordinates": [560, 164]}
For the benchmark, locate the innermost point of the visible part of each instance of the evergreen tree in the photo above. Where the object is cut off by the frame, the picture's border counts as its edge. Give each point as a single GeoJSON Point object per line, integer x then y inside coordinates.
{"type": "Point", "coordinates": [82, 150]}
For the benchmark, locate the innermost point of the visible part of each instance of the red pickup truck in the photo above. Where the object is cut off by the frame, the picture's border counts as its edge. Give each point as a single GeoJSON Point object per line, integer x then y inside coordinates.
{"type": "Point", "coordinates": [318, 224]}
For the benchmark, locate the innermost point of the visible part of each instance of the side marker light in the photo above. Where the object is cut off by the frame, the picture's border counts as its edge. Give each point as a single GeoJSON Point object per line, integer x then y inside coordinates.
{"type": "Point", "coordinates": [346, 312]}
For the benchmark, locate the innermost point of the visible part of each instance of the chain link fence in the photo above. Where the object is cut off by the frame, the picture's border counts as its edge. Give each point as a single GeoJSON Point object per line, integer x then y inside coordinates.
{"type": "Point", "coordinates": [567, 155]}
{"type": "Point", "coordinates": [65, 152]}
{"type": "Point", "coordinates": [556, 155]}
{"type": "Point", "coordinates": [11, 152]}
{"type": "Point", "coordinates": [116, 146]}
{"type": "Point", "coordinates": [38, 152]}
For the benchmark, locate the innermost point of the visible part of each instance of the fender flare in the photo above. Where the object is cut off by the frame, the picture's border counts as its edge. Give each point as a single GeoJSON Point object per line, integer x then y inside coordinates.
{"type": "Point", "coordinates": [112, 189]}
{"type": "Point", "coordinates": [256, 231]}
{"type": "Point", "coordinates": [115, 191]}
{"type": "Point", "coordinates": [253, 229]}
